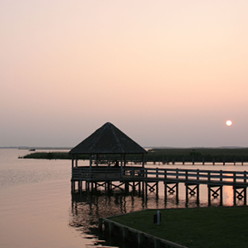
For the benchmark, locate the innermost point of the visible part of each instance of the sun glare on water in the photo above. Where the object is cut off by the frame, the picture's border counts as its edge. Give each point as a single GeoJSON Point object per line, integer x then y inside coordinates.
{"type": "Point", "coordinates": [229, 123]}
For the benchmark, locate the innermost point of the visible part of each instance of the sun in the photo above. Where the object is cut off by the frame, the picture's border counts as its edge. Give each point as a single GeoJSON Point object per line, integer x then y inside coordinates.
{"type": "Point", "coordinates": [229, 123]}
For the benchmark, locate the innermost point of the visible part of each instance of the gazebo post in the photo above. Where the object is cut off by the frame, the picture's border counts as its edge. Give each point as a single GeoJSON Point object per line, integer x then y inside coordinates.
{"type": "Point", "coordinates": [143, 160]}
{"type": "Point", "coordinates": [72, 162]}
{"type": "Point", "coordinates": [97, 158]}
{"type": "Point", "coordinates": [125, 162]}
{"type": "Point", "coordinates": [91, 160]}
{"type": "Point", "coordinates": [123, 159]}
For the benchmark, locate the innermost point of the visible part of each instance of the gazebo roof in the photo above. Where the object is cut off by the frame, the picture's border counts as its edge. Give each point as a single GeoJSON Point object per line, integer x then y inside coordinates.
{"type": "Point", "coordinates": [108, 139]}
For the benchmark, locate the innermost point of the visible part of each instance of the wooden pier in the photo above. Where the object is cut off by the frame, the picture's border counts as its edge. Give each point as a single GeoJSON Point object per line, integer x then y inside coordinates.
{"type": "Point", "coordinates": [108, 145]}
{"type": "Point", "coordinates": [147, 180]}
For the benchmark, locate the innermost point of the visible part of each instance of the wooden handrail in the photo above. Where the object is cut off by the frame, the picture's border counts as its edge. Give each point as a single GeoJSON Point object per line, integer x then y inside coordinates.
{"type": "Point", "coordinates": [180, 175]}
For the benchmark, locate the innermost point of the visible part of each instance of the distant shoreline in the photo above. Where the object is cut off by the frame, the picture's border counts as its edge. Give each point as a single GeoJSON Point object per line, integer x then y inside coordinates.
{"type": "Point", "coordinates": [35, 147]}
{"type": "Point", "coordinates": [165, 156]}
{"type": "Point", "coordinates": [146, 147]}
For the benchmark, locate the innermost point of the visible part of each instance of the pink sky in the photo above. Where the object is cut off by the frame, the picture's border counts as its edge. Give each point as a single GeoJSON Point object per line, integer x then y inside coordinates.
{"type": "Point", "coordinates": [167, 73]}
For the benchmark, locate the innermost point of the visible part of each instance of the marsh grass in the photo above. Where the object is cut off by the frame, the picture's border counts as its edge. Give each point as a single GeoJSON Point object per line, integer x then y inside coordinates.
{"type": "Point", "coordinates": [222, 227]}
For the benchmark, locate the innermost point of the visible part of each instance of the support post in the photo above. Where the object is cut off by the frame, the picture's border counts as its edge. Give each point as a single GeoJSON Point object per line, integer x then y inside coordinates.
{"type": "Point", "coordinates": [80, 186]}
{"type": "Point", "coordinates": [126, 187]}
{"type": "Point", "coordinates": [73, 186]}
{"type": "Point", "coordinates": [157, 188]}
{"type": "Point", "coordinates": [198, 194]}
{"type": "Point", "coordinates": [187, 194]}
{"type": "Point", "coordinates": [177, 193]}
{"type": "Point", "coordinates": [165, 192]}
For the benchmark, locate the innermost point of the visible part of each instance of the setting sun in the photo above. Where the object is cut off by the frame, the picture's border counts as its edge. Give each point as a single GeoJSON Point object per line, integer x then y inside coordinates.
{"type": "Point", "coordinates": [229, 123]}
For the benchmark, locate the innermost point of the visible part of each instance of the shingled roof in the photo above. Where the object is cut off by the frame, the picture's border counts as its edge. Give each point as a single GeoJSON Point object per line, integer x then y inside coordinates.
{"type": "Point", "coordinates": [108, 139]}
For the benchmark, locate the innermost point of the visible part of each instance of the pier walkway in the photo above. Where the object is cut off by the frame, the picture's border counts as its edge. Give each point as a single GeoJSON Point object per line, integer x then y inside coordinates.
{"type": "Point", "coordinates": [145, 180]}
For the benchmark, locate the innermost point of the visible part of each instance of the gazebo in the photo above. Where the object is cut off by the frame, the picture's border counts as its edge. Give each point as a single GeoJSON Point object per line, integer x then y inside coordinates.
{"type": "Point", "coordinates": [108, 151]}
{"type": "Point", "coordinates": [107, 140]}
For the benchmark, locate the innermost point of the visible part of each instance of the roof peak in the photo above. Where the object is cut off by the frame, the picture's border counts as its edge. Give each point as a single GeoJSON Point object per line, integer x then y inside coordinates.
{"type": "Point", "coordinates": [108, 139]}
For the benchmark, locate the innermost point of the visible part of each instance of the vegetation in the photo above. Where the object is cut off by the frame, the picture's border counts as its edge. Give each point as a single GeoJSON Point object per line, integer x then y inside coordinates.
{"type": "Point", "coordinates": [166, 155]}
{"type": "Point", "coordinates": [198, 154]}
{"type": "Point", "coordinates": [49, 155]}
{"type": "Point", "coordinates": [222, 227]}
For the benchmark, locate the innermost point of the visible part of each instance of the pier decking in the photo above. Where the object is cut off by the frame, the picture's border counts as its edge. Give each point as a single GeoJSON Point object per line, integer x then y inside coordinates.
{"type": "Point", "coordinates": [145, 180]}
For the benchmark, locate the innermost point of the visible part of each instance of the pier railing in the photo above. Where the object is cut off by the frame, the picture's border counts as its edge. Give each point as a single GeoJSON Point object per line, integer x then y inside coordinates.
{"type": "Point", "coordinates": [95, 173]}
{"type": "Point", "coordinates": [198, 176]}
{"type": "Point", "coordinates": [221, 177]}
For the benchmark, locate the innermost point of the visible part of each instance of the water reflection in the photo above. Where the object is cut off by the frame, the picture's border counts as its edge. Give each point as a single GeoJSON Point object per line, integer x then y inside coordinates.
{"type": "Point", "coordinates": [87, 208]}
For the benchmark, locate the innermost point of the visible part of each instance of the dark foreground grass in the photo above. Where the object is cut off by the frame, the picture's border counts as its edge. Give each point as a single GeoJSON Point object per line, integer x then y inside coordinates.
{"type": "Point", "coordinates": [214, 227]}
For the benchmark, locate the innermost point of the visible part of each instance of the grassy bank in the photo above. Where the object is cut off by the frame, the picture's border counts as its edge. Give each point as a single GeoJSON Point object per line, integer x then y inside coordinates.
{"type": "Point", "coordinates": [222, 227]}
{"type": "Point", "coordinates": [167, 155]}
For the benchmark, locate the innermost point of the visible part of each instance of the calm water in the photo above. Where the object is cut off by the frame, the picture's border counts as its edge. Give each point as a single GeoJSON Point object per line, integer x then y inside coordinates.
{"type": "Point", "coordinates": [37, 209]}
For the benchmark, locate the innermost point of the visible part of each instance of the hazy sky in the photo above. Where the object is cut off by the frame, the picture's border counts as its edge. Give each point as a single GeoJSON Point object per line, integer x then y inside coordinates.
{"type": "Point", "coordinates": [167, 73]}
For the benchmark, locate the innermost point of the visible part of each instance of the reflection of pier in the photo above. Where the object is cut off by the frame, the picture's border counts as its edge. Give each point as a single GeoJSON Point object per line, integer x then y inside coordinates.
{"type": "Point", "coordinates": [146, 180]}
{"type": "Point", "coordinates": [88, 208]}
